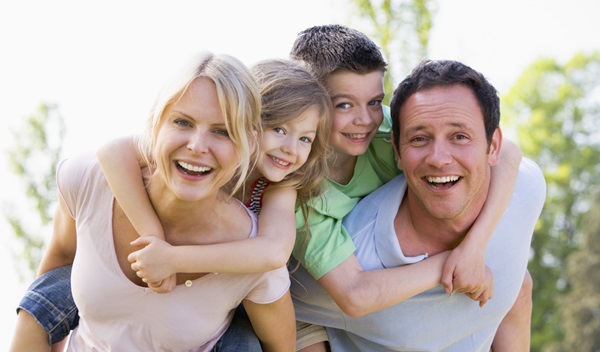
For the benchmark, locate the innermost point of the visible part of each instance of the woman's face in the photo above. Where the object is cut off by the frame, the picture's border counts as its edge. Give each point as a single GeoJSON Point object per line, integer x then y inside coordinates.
{"type": "Point", "coordinates": [193, 150]}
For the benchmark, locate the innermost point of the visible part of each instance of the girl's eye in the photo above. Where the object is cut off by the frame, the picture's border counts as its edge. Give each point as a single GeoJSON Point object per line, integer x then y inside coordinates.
{"type": "Point", "coordinates": [343, 106]}
{"type": "Point", "coordinates": [279, 130]}
{"type": "Point", "coordinates": [375, 102]}
{"type": "Point", "coordinates": [306, 139]}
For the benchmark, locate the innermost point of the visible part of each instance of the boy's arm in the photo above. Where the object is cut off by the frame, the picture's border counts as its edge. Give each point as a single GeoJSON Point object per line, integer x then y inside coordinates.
{"type": "Point", "coordinates": [358, 292]}
{"type": "Point", "coordinates": [274, 323]}
{"type": "Point", "coordinates": [121, 164]}
{"type": "Point", "coordinates": [269, 250]}
{"type": "Point", "coordinates": [464, 270]}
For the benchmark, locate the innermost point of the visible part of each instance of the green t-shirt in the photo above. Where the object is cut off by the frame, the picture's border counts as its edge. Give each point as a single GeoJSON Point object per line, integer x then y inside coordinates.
{"type": "Point", "coordinates": [329, 243]}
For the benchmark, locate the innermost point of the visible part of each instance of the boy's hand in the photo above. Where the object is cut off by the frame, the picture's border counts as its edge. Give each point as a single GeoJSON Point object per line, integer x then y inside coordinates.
{"type": "Point", "coordinates": [465, 271]}
{"type": "Point", "coordinates": [152, 263]}
{"type": "Point", "coordinates": [488, 292]}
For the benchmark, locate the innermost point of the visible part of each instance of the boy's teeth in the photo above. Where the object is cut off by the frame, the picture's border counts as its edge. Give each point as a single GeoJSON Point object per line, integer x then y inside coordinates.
{"type": "Point", "coordinates": [193, 167]}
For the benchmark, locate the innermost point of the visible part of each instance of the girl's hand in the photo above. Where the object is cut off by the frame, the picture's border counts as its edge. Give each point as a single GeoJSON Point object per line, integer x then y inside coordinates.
{"type": "Point", "coordinates": [152, 263]}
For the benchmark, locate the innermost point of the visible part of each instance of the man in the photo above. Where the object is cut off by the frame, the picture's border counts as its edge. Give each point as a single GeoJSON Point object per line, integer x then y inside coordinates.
{"type": "Point", "coordinates": [445, 124]}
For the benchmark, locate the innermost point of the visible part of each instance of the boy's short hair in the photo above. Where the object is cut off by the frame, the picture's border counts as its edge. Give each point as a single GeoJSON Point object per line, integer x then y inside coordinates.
{"type": "Point", "coordinates": [330, 48]}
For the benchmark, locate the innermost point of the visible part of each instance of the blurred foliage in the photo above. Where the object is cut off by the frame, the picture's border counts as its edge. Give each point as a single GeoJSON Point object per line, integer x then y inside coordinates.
{"type": "Point", "coordinates": [401, 28]}
{"type": "Point", "coordinates": [33, 158]}
{"type": "Point", "coordinates": [555, 109]}
{"type": "Point", "coordinates": [580, 306]}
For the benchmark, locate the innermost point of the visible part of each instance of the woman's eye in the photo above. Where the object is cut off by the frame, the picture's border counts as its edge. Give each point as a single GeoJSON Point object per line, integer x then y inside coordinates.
{"type": "Point", "coordinates": [182, 122]}
{"type": "Point", "coordinates": [375, 102]}
{"type": "Point", "coordinates": [222, 132]}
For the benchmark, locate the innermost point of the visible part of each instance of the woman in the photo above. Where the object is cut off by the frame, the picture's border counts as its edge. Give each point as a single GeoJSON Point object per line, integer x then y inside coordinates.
{"type": "Point", "coordinates": [199, 139]}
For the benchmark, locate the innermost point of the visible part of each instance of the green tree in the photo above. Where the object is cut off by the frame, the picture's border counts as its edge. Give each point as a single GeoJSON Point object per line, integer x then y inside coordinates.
{"type": "Point", "coordinates": [401, 28]}
{"type": "Point", "coordinates": [580, 307]}
{"type": "Point", "coordinates": [555, 110]}
{"type": "Point", "coordinates": [33, 158]}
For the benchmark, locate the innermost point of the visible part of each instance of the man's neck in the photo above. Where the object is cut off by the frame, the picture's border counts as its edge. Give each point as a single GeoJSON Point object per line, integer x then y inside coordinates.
{"type": "Point", "coordinates": [420, 233]}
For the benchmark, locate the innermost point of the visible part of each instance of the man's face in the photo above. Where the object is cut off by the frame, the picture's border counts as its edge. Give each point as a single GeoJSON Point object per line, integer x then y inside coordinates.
{"type": "Point", "coordinates": [357, 110]}
{"type": "Point", "coordinates": [444, 154]}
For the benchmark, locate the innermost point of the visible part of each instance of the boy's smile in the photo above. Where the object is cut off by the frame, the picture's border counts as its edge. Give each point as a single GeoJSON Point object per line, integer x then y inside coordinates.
{"type": "Point", "coordinates": [357, 111]}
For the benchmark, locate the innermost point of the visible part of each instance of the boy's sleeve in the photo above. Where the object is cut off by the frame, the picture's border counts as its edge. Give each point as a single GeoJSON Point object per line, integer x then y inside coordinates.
{"type": "Point", "coordinates": [328, 243]}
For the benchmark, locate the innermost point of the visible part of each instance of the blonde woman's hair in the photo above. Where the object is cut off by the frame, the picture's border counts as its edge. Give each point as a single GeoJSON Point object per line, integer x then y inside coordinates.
{"type": "Point", "coordinates": [239, 100]}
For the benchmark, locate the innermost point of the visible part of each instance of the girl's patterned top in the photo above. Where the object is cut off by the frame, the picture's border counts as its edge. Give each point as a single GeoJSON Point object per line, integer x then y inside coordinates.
{"type": "Point", "coordinates": [256, 195]}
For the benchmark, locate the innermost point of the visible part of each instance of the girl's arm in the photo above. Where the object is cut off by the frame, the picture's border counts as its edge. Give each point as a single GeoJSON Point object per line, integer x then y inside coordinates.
{"type": "Point", "coordinates": [122, 165]}
{"type": "Point", "coordinates": [269, 250]}
{"type": "Point", "coordinates": [274, 323]}
{"type": "Point", "coordinates": [464, 271]}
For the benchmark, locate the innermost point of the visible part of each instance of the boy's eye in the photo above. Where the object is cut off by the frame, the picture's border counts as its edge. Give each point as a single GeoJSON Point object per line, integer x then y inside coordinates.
{"type": "Point", "coordinates": [279, 130]}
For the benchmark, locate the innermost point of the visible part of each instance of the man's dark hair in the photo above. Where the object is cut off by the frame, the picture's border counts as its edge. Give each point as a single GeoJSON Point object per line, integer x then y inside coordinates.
{"type": "Point", "coordinates": [432, 73]}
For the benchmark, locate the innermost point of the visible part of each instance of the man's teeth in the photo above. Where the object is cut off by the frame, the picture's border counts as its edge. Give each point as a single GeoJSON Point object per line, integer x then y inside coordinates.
{"type": "Point", "coordinates": [444, 179]}
{"type": "Point", "coordinates": [193, 168]}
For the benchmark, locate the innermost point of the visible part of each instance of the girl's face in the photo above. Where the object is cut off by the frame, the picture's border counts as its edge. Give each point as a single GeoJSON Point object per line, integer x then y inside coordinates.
{"type": "Point", "coordinates": [193, 150]}
{"type": "Point", "coordinates": [285, 148]}
{"type": "Point", "coordinates": [357, 110]}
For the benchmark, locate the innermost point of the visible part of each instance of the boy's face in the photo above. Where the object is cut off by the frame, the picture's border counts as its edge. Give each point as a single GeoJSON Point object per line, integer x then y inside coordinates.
{"type": "Point", "coordinates": [357, 110]}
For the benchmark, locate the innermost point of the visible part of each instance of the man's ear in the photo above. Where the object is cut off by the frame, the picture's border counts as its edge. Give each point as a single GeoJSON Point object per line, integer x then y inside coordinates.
{"type": "Point", "coordinates": [396, 152]}
{"type": "Point", "coordinates": [495, 147]}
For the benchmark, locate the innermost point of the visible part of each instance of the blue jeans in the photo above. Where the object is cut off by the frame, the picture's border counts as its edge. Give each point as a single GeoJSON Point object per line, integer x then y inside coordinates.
{"type": "Point", "coordinates": [50, 302]}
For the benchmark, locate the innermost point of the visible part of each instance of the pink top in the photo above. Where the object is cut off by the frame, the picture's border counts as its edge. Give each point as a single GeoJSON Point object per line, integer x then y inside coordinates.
{"type": "Point", "coordinates": [116, 314]}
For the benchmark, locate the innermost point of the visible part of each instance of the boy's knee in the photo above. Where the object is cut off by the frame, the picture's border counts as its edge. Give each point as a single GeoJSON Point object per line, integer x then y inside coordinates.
{"type": "Point", "coordinates": [525, 299]}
